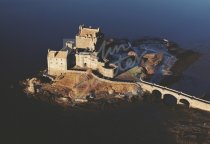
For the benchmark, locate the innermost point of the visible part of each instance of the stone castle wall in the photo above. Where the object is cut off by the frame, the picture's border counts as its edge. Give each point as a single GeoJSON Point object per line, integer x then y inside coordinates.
{"type": "Point", "coordinates": [102, 79]}
{"type": "Point", "coordinates": [86, 61]}
{"type": "Point", "coordinates": [57, 66]}
{"type": "Point", "coordinates": [107, 72]}
{"type": "Point", "coordinates": [86, 42]}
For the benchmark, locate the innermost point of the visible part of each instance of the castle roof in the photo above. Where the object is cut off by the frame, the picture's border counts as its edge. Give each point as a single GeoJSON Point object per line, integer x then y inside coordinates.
{"type": "Point", "coordinates": [57, 54]}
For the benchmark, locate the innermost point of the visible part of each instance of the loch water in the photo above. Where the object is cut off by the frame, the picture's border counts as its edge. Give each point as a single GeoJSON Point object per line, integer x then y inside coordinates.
{"type": "Point", "coordinates": [29, 27]}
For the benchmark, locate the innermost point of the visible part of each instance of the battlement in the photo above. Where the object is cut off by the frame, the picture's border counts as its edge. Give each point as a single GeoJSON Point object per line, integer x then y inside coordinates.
{"type": "Point", "coordinates": [88, 32]}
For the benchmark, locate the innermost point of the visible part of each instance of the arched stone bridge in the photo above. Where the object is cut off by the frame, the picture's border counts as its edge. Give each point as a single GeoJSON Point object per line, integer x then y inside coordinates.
{"type": "Point", "coordinates": [179, 97]}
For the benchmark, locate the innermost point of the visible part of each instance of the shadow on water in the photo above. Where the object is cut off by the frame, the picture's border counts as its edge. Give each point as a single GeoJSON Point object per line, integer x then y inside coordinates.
{"type": "Point", "coordinates": [38, 122]}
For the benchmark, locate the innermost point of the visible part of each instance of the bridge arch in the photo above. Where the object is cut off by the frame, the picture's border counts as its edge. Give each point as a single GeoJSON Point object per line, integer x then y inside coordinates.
{"type": "Point", "coordinates": [184, 102]}
{"type": "Point", "coordinates": [169, 99]}
{"type": "Point", "coordinates": [157, 94]}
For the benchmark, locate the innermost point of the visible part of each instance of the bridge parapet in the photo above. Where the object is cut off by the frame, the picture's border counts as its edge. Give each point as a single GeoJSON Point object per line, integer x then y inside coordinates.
{"type": "Point", "coordinates": [181, 94]}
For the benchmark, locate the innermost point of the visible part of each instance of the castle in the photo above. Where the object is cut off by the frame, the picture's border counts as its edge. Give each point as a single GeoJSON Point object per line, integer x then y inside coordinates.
{"type": "Point", "coordinates": [83, 53]}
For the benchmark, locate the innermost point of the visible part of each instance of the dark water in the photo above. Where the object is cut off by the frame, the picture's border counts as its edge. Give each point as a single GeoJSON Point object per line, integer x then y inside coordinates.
{"type": "Point", "coordinates": [28, 28]}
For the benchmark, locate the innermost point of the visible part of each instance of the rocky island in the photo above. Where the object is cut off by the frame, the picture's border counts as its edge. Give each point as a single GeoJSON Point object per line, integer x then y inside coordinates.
{"type": "Point", "coordinates": [97, 71]}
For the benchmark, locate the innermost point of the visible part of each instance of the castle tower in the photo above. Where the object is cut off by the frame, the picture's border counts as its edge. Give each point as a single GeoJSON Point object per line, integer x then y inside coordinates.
{"type": "Point", "coordinates": [89, 38]}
